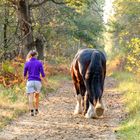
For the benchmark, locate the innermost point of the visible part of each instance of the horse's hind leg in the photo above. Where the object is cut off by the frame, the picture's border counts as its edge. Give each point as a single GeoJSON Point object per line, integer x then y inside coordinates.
{"type": "Point", "coordinates": [82, 92]}
{"type": "Point", "coordinates": [100, 105]}
{"type": "Point", "coordinates": [89, 94]}
{"type": "Point", "coordinates": [90, 110]}
{"type": "Point", "coordinates": [78, 108]}
{"type": "Point", "coordinates": [79, 98]}
{"type": "Point", "coordinates": [99, 108]}
{"type": "Point", "coordinates": [86, 103]}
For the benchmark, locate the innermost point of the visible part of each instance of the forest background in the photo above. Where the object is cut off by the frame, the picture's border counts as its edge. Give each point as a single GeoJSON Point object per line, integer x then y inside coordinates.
{"type": "Point", "coordinates": [57, 29]}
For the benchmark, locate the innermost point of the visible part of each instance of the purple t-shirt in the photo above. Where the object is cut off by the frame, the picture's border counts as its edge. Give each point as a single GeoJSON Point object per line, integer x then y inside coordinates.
{"type": "Point", "coordinates": [34, 68]}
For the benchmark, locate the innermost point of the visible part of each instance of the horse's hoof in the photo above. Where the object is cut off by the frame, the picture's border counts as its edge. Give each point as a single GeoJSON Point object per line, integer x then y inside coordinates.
{"type": "Point", "coordinates": [99, 111]}
{"type": "Point", "coordinates": [90, 115]}
{"type": "Point", "coordinates": [87, 116]}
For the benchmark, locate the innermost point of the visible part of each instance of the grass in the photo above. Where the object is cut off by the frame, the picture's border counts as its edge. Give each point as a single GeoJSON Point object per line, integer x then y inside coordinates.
{"type": "Point", "coordinates": [13, 101]}
{"type": "Point", "coordinates": [129, 129]}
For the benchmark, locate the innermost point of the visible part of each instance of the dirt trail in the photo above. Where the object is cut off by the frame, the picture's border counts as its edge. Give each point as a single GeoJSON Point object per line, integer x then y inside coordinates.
{"type": "Point", "coordinates": [56, 120]}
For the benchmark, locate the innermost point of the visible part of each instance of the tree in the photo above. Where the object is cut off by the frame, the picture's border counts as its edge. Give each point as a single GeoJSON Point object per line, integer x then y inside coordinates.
{"type": "Point", "coordinates": [125, 29]}
{"type": "Point", "coordinates": [56, 19]}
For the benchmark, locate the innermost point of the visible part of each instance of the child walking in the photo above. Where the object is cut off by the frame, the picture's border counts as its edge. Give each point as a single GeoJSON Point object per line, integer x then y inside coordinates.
{"type": "Point", "coordinates": [33, 68]}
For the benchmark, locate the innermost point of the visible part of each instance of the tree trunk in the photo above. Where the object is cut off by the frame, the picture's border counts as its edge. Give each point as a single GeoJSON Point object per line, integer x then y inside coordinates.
{"type": "Point", "coordinates": [5, 27]}
{"type": "Point", "coordinates": [39, 48]}
{"type": "Point", "coordinates": [26, 26]}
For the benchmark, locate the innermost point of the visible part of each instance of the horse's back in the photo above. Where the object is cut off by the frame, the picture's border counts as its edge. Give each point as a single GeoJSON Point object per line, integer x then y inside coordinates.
{"type": "Point", "coordinates": [83, 59]}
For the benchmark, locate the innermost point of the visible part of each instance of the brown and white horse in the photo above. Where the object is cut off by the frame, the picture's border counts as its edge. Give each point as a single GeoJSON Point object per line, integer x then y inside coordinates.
{"type": "Point", "coordinates": [88, 70]}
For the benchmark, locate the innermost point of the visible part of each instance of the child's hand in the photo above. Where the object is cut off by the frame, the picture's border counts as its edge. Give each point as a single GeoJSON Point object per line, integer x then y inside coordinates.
{"type": "Point", "coordinates": [25, 79]}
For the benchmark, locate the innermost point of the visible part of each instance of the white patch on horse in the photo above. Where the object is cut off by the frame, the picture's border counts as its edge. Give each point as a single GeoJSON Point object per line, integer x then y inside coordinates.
{"type": "Point", "coordinates": [78, 108]}
{"type": "Point", "coordinates": [82, 103]}
{"type": "Point", "coordinates": [91, 111]}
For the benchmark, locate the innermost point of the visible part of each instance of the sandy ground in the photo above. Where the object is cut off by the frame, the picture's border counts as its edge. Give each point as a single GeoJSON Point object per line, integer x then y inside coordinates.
{"type": "Point", "coordinates": [56, 121]}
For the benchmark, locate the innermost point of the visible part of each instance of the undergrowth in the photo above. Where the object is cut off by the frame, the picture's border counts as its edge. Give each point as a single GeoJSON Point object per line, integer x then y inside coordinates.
{"type": "Point", "coordinates": [12, 103]}
{"type": "Point", "coordinates": [129, 129]}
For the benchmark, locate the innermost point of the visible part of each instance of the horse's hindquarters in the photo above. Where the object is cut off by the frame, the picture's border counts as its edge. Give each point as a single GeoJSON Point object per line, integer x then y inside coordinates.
{"type": "Point", "coordinates": [88, 74]}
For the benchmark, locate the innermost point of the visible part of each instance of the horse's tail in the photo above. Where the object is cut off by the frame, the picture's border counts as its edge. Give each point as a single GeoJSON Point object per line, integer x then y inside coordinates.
{"type": "Point", "coordinates": [93, 75]}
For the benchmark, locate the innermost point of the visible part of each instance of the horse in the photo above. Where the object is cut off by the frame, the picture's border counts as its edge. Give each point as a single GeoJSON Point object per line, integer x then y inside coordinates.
{"type": "Point", "coordinates": [88, 71]}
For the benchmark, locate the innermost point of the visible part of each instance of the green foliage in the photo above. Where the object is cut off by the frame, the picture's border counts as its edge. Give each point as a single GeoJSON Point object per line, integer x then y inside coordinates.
{"type": "Point", "coordinates": [130, 129]}
{"type": "Point", "coordinates": [12, 103]}
{"type": "Point", "coordinates": [6, 67]}
{"type": "Point", "coordinates": [123, 76]}
{"type": "Point", "coordinates": [129, 84]}
{"type": "Point", "coordinates": [79, 5]}
{"type": "Point", "coordinates": [13, 94]}
{"type": "Point", "coordinates": [133, 57]}
{"type": "Point", "coordinates": [8, 26]}
{"type": "Point", "coordinates": [88, 29]}
{"type": "Point", "coordinates": [63, 26]}
{"type": "Point", "coordinates": [125, 28]}
{"type": "Point", "coordinates": [71, 26]}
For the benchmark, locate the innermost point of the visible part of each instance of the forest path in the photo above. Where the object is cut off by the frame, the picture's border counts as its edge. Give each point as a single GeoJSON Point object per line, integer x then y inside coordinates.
{"type": "Point", "coordinates": [56, 121]}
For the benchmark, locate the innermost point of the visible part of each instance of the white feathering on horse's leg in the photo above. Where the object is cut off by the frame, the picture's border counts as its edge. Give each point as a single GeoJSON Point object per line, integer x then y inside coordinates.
{"type": "Point", "coordinates": [82, 104]}
{"type": "Point", "coordinates": [78, 108]}
{"type": "Point", "coordinates": [91, 112]}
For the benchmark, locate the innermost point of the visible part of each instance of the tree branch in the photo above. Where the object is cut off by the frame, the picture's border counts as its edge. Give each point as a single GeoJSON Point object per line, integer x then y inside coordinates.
{"type": "Point", "coordinates": [13, 2]}
{"type": "Point", "coordinates": [59, 2]}
{"type": "Point", "coordinates": [44, 1]}
{"type": "Point", "coordinates": [38, 4]}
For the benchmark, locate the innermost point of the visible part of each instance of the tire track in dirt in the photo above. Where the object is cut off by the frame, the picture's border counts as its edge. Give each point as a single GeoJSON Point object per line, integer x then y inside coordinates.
{"type": "Point", "coordinates": [56, 120]}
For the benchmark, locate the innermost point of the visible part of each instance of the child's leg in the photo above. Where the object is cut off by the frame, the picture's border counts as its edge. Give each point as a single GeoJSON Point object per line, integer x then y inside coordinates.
{"type": "Point", "coordinates": [36, 101]}
{"type": "Point", "coordinates": [38, 88]}
{"type": "Point", "coordinates": [37, 85]}
{"type": "Point", "coordinates": [31, 103]}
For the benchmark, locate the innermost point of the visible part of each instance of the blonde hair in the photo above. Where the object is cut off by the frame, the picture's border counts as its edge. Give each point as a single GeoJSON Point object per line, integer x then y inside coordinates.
{"type": "Point", "coordinates": [31, 54]}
